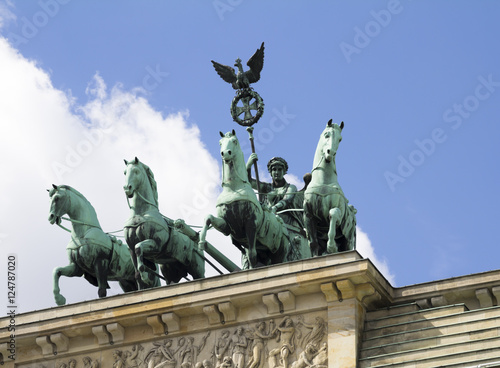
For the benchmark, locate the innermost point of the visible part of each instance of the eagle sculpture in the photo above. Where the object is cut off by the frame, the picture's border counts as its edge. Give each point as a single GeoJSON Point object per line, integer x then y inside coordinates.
{"type": "Point", "coordinates": [242, 79]}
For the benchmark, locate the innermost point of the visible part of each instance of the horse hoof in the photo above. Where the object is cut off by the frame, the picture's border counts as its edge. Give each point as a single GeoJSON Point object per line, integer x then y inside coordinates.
{"type": "Point", "coordinates": [60, 300]}
{"type": "Point", "coordinates": [332, 249]}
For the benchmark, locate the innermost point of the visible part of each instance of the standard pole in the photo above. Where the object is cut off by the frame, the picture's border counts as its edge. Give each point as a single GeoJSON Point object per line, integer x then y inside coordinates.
{"type": "Point", "coordinates": [250, 136]}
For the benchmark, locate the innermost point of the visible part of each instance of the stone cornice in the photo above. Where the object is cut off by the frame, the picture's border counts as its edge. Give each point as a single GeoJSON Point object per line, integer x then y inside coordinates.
{"type": "Point", "coordinates": [228, 293]}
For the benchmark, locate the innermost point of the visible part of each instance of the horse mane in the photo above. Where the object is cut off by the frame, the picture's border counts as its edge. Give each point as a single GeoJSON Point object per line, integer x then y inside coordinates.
{"type": "Point", "coordinates": [73, 190]}
{"type": "Point", "coordinates": [152, 181]}
{"type": "Point", "coordinates": [79, 195]}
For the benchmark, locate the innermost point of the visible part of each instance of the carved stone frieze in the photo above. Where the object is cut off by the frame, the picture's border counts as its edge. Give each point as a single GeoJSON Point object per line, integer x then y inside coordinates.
{"type": "Point", "coordinates": [76, 362]}
{"type": "Point", "coordinates": [289, 341]}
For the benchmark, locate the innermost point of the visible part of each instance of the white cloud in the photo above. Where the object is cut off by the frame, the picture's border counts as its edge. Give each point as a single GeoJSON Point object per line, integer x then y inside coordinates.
{"type": "Point", "coordinates": [365, 248]}
{"type": "Point", "coordinates": [48, 138]}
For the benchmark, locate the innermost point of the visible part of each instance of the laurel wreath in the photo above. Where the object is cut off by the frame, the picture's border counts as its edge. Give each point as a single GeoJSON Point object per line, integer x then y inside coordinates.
{"type": "Point", "coordinates": [244, 93]}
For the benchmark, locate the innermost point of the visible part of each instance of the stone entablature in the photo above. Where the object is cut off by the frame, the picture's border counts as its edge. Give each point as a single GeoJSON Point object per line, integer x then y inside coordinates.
{"type": "Point", "coordinates": [299, 314]}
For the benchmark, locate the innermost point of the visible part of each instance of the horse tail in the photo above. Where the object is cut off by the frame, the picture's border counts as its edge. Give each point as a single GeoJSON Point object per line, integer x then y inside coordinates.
{"type": "Point", "coordinates": [307, 179]}
{"type": "Point", "coordinates": [350, 225]}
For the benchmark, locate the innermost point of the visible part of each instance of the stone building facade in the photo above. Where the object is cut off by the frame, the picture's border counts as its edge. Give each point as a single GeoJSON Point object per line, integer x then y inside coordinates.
{"type": "Point", "coordinates": [331, 311]}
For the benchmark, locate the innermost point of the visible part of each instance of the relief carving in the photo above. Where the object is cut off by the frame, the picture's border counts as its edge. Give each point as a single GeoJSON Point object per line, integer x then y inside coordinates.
{"type": "Point", "coordinates": [292, 342]}
{"type": "Point", "coordinates": [88, 363]}
{"type": "Point", "coordinates": [132, 358]}
{"type": "Point", "coordinates": [77, 362]}
{"type": "Point", "coordinates": [311, 357]}
{"type": "Point", "coordinates": [189, 354]}
{"type": "Point", "coordinates": [259, 337]}
{"type": "Point", "coordinates": [161, 355]}
{"type": "Point", "coordinates": [318, 330]}
{"type": "Point", "coordinates": [285, 332]}
{"type": "Point", "coordinates": [239, 345]}
{"type": "Point", "coordinates": [119, 359]}
{"type": "Point", "coordinates": [221, 347]}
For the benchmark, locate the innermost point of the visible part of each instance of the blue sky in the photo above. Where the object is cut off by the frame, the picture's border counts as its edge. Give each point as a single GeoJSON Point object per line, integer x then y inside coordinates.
{"type": "Point", "coordinates": [417, 84]}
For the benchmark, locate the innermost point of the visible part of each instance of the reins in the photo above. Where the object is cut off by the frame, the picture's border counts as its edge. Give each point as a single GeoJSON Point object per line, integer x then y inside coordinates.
{"type": "Point", "coordinates": [76, 222]}
{"type": "Point", "coordinates": [318, 165]}
{"type": "Point", "coordinates": [237, 174]}
{"type": "Point", "coordinates": [147, 201]}
{"type": "Point", "coordinates": [84, 223]}
{"type": "Point", "coordinates": [155, 206]}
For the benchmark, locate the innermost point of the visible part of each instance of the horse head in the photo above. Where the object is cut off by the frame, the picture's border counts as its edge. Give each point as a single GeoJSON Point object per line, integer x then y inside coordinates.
{"type": "Point", "coordinates": [232, 156]}
{"type": "Point", "coordinates": [229, 146]}
{"type": "Point", "coordinates": [140, 179]}
{"type": "Point", "coordinates": [59, 203]}
{"type": "Point", "coordinates": [329, 141]}
{"type": "Point", "coordinates": [133, 177]}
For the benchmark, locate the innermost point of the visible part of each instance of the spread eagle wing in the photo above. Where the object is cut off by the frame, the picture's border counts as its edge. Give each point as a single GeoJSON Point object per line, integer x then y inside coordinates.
{"type": "Point", "coordinates": [256, 63]}
{"type": "Point", "coordinates": [225, 72]}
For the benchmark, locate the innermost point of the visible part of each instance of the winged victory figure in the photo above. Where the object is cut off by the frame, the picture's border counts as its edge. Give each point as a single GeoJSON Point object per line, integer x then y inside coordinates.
{"type": "Point", "coordinates": [242, 79]}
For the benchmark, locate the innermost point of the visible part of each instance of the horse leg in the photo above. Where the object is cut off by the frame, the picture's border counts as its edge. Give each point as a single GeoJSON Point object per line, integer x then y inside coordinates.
{"type": "Point", "coordinates": [101, 274]}
{"type": "Point", "coordinates": [142, 249]}
{"type": "Point", "coordinates": [335, 219]}
{"type": "Point", "coordinates": [139, 284]}
{"type": "Point", "coordinates": [218, 223]}
{"type": "Point", "coordinates": [127, 285]}
{"type": "Point", "coordinates": [70, 270]}
{"type": "Point", "coordinates": [251, 235]}
{"type": "Point", "coordinates": [311, 232]}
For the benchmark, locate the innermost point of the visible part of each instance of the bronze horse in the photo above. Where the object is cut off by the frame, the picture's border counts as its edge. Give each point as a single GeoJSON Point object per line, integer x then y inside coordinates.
{"type": "Point", "coordinates": [254, 229]}
{"type": "Point", "coordinates": [92, 253]}
{"type": "Point", "coordinates": [329, 218]}
{"type": "Point", "coordinates": [151, 237]}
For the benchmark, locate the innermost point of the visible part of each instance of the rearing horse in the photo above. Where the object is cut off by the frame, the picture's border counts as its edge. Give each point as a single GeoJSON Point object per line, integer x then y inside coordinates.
{"type": "Point", "coordinates": [330, 221]}
{"type": "Point", "coordinates": [253, 229]}
{"type": "Point", "coordinates": [92, 253]}
{"type": "Point", "coordinates": [151, 237]}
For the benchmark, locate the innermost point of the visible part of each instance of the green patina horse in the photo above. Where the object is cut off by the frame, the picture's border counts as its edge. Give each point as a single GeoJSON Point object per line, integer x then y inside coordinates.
{"type": "Point", "coordinates": [254, 229]}
{"type": "Point", "coordinates": [151, 237]}
{"type": "Point", "coordinates": [92, 253]}
{"type": "Point", "coordinates": [329, 219]}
